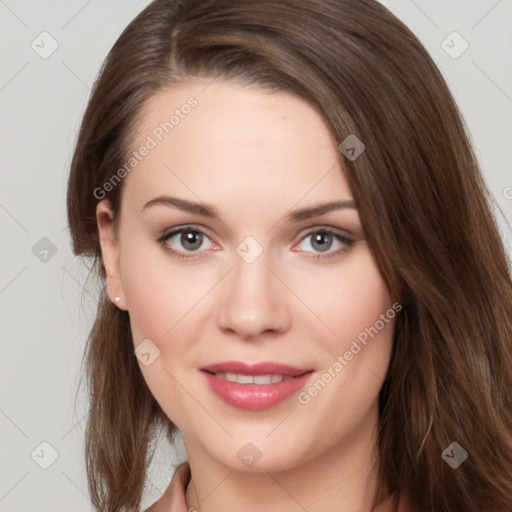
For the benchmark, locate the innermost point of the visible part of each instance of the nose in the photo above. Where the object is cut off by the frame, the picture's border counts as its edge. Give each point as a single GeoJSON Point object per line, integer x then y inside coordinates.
{"type": "Point", "coordinates": [253, 301]}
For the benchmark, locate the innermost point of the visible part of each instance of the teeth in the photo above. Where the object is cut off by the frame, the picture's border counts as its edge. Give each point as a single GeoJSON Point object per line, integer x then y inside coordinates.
{"type": "Point", "coordinates": [241, 378]}
{"type": "Point", "coordinates": [266, 379]}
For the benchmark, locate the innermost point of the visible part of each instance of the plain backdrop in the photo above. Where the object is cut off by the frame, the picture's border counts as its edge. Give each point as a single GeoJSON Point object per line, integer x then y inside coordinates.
{"type": "Point", "coordinates": [47, 305]}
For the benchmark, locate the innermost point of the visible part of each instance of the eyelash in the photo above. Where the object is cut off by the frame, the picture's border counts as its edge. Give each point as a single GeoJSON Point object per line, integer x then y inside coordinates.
{"type": "Point", "coordinates": [317, 256]}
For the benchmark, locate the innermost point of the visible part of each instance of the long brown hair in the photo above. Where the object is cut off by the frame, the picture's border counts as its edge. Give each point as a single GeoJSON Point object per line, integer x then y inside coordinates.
{"type": "Point", "coordinates": [423, 204]}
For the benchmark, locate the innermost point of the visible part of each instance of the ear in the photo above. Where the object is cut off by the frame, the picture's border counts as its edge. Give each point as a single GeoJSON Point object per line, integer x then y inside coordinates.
{"type": "Point", "coordinates": [110, 253]}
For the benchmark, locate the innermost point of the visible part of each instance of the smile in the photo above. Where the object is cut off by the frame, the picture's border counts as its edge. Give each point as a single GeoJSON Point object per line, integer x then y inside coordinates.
{"type": "Point", "coordinates": [254, 387]}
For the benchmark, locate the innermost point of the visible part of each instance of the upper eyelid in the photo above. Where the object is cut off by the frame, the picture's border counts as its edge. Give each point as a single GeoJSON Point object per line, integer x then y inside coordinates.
{"type": "Point", "coordinates": [344, 233]}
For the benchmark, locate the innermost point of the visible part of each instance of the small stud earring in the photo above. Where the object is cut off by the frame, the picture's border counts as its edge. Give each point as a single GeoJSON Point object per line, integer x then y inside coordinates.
{"type": "Point", "coordinates": [118, 299]}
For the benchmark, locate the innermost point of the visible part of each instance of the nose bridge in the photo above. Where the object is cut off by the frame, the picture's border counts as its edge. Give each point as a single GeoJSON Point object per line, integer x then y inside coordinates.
{"type": "Point", "coordinates": [252, 302]}
{"type": "Point", "coordinates": [251, 274]}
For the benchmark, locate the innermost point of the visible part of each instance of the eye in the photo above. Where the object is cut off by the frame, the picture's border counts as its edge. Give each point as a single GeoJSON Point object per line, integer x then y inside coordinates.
{"type": "Point", "coordinates": [191, 240]}
{"type": "Point", "coordinates": [322, 240]}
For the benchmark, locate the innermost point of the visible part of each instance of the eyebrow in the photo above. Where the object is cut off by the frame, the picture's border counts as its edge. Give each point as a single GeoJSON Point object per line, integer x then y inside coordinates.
{"type": "Point", "coordinates": [206, 210]}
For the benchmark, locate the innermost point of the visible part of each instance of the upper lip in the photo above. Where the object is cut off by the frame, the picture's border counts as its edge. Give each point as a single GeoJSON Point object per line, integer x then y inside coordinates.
{"type": "Point", "coordinates": [263, 368]}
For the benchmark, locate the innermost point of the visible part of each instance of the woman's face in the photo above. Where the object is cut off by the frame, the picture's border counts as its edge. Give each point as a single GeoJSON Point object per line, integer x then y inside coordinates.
{"type": "Point", "coordinates": [257, 282]}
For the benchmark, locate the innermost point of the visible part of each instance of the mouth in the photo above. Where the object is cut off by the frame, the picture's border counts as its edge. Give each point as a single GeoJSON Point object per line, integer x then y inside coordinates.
{"type": "Point", "coordinates": [242, 378]}
{"type": "Point", "coordinates": [255, 386]}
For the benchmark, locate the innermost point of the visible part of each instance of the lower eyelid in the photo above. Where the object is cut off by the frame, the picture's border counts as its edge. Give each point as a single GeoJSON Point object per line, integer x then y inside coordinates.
{"type": "Point", "coordinates": [347, 242]}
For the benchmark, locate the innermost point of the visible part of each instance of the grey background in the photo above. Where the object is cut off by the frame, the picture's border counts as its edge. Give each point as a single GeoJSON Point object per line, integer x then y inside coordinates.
{"type": "Point", "coordinates": [46, 305]}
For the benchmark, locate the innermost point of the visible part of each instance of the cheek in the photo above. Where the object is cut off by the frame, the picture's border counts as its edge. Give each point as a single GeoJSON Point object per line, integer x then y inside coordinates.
{"type": "Point", "coordinates": [354, 357]}
{"type": "Point", "coordinates": [158, 293]}
{"type": "Point", "coordinates": [348, 300]}
{"type": "Point", "coordinates": [160, 301]}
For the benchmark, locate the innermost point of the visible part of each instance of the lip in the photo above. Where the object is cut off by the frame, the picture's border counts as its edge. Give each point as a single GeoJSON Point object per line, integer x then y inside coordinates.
{"type": "Point", "coordinates": [255, 397]}
{"type": "Point", "coordinates": [263, 368]}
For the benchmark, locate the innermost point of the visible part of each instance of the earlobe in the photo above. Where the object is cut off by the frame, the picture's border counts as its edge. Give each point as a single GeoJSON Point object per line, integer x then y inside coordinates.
{"type": "Point", "coordinates": [110, 254]}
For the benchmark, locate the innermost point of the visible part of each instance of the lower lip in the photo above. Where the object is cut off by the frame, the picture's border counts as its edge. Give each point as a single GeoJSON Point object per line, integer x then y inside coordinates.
{"type": "Point", "coordinates": [255, 397]}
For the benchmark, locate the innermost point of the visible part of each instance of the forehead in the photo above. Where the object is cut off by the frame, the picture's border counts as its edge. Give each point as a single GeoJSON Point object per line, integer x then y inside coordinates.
{"type": "Point", "coordinates": [229, 140]}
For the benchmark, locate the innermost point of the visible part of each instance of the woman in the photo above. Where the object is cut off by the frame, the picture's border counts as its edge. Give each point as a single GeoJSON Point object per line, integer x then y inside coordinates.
{"type": "Point", "coordinates": [338, 335]}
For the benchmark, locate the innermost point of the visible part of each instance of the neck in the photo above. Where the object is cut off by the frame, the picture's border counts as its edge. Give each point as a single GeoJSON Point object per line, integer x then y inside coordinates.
{"type": "Point", "coordinates": [341, 478]}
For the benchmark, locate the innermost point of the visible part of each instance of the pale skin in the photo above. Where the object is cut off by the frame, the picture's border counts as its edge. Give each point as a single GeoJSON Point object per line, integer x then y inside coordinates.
{"type": "Point", "coordinates": [255, 156]}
